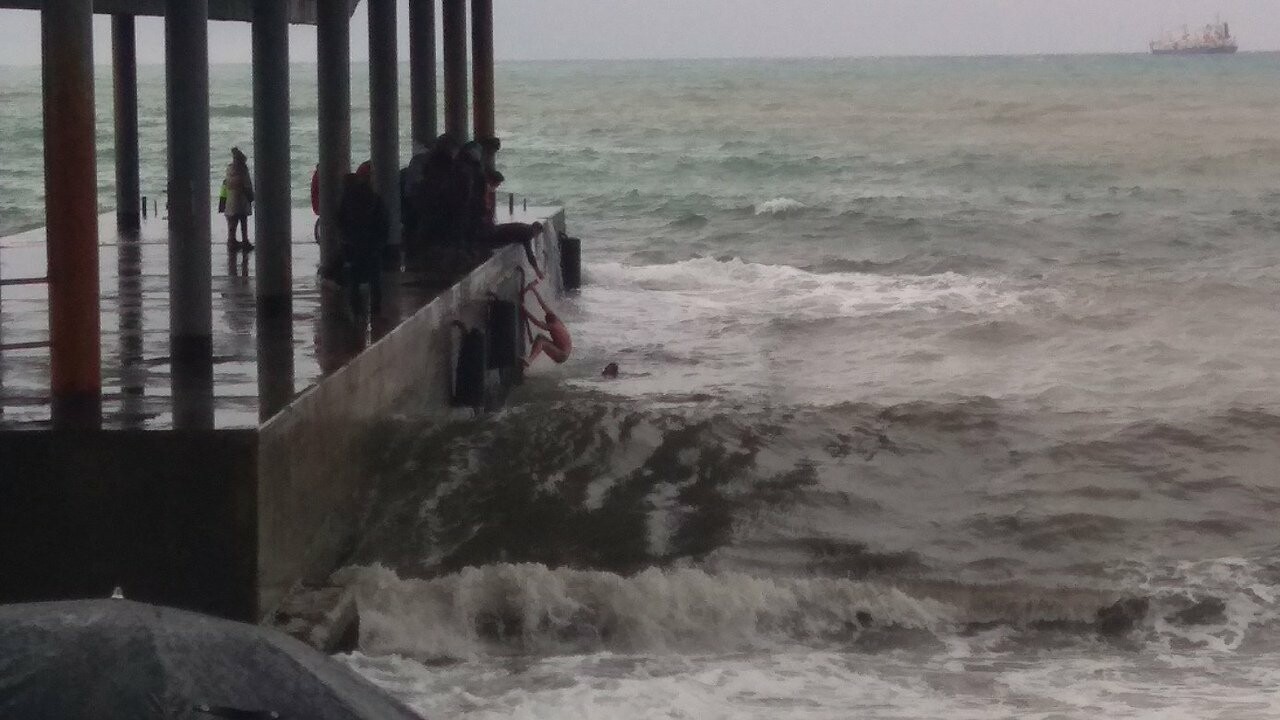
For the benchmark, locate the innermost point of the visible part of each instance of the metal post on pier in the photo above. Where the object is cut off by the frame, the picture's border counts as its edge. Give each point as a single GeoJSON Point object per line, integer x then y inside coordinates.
{"type": "Point", "coordinates": [453, 19]}
{"type": "Point", "coordinates": [384, 115]}
{"type": "Point", "coordinates": [272, 192]}
{"type": "Point", "coordinates": [333, 79]}
{"type": "Point", "coordinates": [273, 259]}
{"type": "Point", "coordinates": [186, 46]}
{"type": "Point", "coordinates": [133, 369]}
{"type": "Point", "coordinates": [422, 70]}
{"type": "Point", "coordinates": [483, 91]}
{"type": "Point", "coordinates": [482, 68]}
{"type": "Point", "coordinates": [71, 209]}
{"type": "Point", "coordinates": [124, 61]}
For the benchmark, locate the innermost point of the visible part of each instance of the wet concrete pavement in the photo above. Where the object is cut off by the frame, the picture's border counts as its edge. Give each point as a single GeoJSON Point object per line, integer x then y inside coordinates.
{"type": "Point", "coordinates": [256, 361]}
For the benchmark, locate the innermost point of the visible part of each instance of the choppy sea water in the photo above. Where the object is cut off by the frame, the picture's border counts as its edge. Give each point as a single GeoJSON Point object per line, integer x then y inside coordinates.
{"type": "Point", "coordinates": [925, 364]}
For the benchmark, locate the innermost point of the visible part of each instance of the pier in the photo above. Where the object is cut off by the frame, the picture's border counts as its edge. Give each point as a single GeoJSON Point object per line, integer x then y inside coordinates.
{"type": "Point", "coordinates": [193, 426]}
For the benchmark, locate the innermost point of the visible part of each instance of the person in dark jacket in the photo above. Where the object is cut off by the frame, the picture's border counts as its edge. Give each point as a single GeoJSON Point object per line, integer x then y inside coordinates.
{"type": "Point", "coordinates": [470, 184]}
{"type": "Point", "coordinates": [363, 222]}
{"type": "Point", "coordinates": [436, 195]}
{"type": "Point", "coordinates": [412, 176]}
{"type": "Point", "coordinates": [500, 236]}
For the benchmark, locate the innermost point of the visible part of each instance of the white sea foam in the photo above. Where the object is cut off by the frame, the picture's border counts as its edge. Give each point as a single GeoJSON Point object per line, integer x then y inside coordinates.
{"type": "Point", "coordinates": [530, 608]}
{"type": "Point", "coordinates": [762, 290]}
{"type": "Point", "coordinates": [810, 685]}
{"type": "Point", "coordinates": [742, 327]}
{"type": "Point", "coordinates": [779, 206]}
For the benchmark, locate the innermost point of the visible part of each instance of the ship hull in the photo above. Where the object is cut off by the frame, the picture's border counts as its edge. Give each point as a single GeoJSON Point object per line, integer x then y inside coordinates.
{"type": "Point", "coordinates": [1197, 51]}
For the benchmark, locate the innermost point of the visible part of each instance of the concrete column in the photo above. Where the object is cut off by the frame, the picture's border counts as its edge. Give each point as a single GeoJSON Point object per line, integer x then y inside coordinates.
{"type": "Point", "coordinates": [454, 21]}
{"type": "Point", "coordinates": [273, 262]}
{"type": "Point", "coordinates": [333, 75]}
{"type": "Point", "coordinates": [384, 114]}
{"type": "Point", "coordinates": [483, 92]}
{"type": "Point", "coordinates": [133, 368]}
{"type": "Point", "coordinates": [186, 49]}
{"type": "Point", "coordinates": [124, 60]}
{"type": "Point", "coordinates": [422, 70]}
{"type": "Point", "coordinates": [273, 258]}
{"type": "Point", "coordinates": [71, 209]}
{"type": "Point", "coordinates": [482, 67]}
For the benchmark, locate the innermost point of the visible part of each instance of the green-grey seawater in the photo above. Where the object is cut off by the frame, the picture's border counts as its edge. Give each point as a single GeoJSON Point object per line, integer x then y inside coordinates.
{"type": "Point", "coordinates": [925, 362]}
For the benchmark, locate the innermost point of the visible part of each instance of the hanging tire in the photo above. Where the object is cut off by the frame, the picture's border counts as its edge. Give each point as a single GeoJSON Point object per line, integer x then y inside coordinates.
{"type": "Point", "coordinates": [472, 367]}
{"type": "Point", "coordinates": [506, 342]}
{"type": "Point", "coordinates": [570, 262]}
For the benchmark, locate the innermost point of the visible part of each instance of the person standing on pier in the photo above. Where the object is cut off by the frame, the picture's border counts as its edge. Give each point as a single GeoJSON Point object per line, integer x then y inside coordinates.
{"type": "Point", "coordinates": [236, 200]}
{"type": "Point", "coordinates": [364, 224]}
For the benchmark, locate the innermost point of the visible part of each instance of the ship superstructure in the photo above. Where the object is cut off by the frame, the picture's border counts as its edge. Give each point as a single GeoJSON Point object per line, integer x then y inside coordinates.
{"type": "Point", "coordinates": [1214, 39]}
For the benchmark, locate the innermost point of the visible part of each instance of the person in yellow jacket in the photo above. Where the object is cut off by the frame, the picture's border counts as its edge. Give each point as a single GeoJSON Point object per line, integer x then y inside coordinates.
{"type": "Point", "coordinates": [236, 200]}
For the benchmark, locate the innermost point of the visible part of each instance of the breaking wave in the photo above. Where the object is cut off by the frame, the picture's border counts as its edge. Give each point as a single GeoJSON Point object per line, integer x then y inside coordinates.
{"type": "Point", "coordinates": [531, 609]}
{"type": "Point", "coordinates": [766, 288]}
{"type": "Point", "coordinates": [779, 206]}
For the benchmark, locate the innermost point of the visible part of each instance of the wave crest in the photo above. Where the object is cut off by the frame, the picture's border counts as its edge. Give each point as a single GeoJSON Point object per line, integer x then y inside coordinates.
{"type": "Point", "coordinates": [779, 206]}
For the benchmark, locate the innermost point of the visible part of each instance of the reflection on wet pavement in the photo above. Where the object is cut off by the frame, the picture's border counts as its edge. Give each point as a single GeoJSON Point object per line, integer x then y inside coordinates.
{"type": "Point", "coordinates": [259, 361]}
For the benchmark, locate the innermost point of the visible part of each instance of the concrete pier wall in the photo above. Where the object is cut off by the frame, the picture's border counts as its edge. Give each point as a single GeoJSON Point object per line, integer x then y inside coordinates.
{"type": "Point", "coordinates": [313, 456]}
{"type": "Point", "coordinates": [229, 520]}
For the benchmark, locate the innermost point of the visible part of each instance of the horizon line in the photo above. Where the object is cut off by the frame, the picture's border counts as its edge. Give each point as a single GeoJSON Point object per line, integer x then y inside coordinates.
{"type": "Point", "coordinates": [724, 58]}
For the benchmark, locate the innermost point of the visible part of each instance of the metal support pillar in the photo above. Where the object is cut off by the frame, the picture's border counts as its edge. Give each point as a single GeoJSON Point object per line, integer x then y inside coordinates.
{"type": "Point", "coordinates": [333, 78]}
{"type": "Point", "coordinates": [186, 49]}
{"type": "Point", "coordinates": [273, 214]}
{"type": "Point", "coordinates": [384, 115]}
{"type": "Point", "coordinates": [482, 68]}
{"type": "Point", "coordinates": [453, 18]}
{"type": "Point", "coordinates": [273, 258]}
{"type": "Point", "coordinates": [124, 60]}
{"type": "Point", "coordinates": [483, 92]}
{"type": "Point", "coordinates": [133, 368]}
{"type": "Point", "coordinates": [422, 70]}
{"type": "Point", "coordinates": [71, 209]}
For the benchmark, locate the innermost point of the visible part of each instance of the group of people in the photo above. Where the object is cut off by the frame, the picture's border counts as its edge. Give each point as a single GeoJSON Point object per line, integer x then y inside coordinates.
{"type": "Point", "coordinates": [447, 211]}
{"type": "Point", "coordinates": [447, 195]}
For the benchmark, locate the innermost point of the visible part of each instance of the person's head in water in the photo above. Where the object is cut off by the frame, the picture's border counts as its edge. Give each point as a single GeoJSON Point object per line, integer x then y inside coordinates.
{"type": "Point", "coordinates": [610, 371]}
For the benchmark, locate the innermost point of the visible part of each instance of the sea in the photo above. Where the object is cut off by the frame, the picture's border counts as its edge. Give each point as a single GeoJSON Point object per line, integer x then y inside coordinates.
{"type": "Point", "coordinates": [950, 388]}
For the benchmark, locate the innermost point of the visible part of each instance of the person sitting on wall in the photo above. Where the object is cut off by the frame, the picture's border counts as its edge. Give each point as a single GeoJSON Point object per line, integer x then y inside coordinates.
{"type": "Point", "coordinates": [500, 236]}
{"type": "Point", "coordinates": [557, 344]}
{"type": "Point", "coordinates": [364, 224]}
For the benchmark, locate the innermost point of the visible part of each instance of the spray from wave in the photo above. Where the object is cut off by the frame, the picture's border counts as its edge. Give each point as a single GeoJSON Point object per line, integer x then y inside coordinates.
{"type": "Point", "coordinates": [779, 206]}
{"type": "Point", "coordinates": [530, 609]}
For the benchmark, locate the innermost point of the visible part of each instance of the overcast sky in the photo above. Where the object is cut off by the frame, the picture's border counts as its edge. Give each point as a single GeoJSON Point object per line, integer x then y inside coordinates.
{"type": "Point", "coordinates": [572, 29]}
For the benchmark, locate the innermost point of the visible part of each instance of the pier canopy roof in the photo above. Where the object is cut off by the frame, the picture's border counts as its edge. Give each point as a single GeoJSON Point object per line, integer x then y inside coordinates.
{"type": "Point", "coordinates": [301, 12]}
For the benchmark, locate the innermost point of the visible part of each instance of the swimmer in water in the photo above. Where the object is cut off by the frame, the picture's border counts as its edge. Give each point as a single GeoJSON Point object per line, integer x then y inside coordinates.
{"type": "Point", "coordinates": [556, 344]}
{"type": "Point", "coordinates": [610, 371]}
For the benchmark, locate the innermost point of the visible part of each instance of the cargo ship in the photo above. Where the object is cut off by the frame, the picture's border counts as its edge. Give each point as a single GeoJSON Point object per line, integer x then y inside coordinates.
{"type": "Point", "coordinates": [1214, 39]}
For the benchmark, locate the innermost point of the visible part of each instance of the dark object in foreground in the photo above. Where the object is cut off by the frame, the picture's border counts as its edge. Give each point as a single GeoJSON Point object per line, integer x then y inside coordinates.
{"type": "Point", "coordinates": [1204, 611]}
{"type": "Point", "coordinates": [1121, 617]}
{"type": "Point", "coordinates": [109, 659]}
